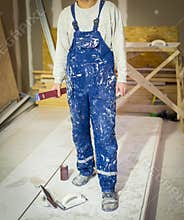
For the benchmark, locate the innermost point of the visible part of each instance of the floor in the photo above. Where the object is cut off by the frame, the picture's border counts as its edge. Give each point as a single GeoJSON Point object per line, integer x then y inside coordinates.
{"type": "Point", "coordinates": [171, 194]}
{"type": "Point", "coordinates": [43, 126]}
{"type": "Point", "coordinates": [38, 124]}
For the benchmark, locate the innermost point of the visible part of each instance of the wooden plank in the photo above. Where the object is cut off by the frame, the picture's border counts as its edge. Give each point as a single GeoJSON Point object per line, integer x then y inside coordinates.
{"type": "Point", "coordinates": [44, 76]}
{"type": "Point", "coordinates": [146, 45]}
{"type": "Point", "coordinates": [166, 88]}
{"type": "Point", "coordinates": [151, 88]}
{"type": "Point", "coordinates": [151, 49]}
{"type": "Point", "coordinates": [7, 82]}
{"type": "Point", "coordinates": [157, 79]}
{"type": "Point", "coordinates": [28, 105]}
{"type": "Point", "coordinates": [154, 83]}
{"type": "Point", "coordinates": [42, 72]}
{"type": "Point", "coordinates": [151, 69]}
{"type": "Point", "coordinates": [159, 75]}
{"type": "Point", "coordinates": [170, 80]}
{"type": "Point", "coordinates": [181, 74]}
{"type": "Point", "coordinates": [123, 100]}
{"type": "Point", "coordinates": [5, 107]}
{"type": "Point", "coordinates": [12, 109]}
{"type": "Point", "coordinates": [179, 94]}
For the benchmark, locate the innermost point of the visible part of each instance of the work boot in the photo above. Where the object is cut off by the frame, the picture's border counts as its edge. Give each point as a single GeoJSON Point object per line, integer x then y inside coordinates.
{"type": "Point", "coordinates": [81, 180]}
{"type": "Point", "coordinates": [109, 201]}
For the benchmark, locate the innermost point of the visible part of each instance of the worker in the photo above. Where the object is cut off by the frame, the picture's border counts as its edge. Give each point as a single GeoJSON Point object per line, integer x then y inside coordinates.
{"type": "Point", "coordinates": [90, 46]}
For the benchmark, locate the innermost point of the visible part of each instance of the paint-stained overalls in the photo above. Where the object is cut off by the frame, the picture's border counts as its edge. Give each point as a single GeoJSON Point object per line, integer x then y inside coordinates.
{"type": "Point", "coordinates": [91, 83]}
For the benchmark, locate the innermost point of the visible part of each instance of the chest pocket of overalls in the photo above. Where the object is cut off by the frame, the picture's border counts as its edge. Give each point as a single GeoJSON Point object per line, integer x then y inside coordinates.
{"type": "Point", "coordinates": [88, 42]}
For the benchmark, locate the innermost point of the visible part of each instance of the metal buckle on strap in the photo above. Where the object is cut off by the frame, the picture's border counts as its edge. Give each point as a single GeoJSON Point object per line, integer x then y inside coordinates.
{"type": "Point", "coordinates": [75, 25]}
{"type": "Point", "coordinates": [96, 22]}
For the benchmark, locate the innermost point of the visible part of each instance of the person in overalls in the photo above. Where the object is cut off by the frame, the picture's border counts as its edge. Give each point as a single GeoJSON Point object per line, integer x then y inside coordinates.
{"type": "Point", "coordinates": [89, 62]}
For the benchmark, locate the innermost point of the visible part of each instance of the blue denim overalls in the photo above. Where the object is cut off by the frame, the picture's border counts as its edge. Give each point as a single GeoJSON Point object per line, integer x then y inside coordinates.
{"type": "Point", "coordinates": [91, 83]}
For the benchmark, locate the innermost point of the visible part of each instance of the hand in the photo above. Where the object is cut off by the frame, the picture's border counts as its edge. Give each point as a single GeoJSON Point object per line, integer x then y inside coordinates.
{"type": "Point", "coordinates": [120, 88]}
{"type": "Point", "coordinates": [57, 87]}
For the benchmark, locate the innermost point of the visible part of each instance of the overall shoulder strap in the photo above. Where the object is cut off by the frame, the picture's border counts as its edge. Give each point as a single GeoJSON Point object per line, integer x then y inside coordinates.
{"type": "Point", "coordinates": [74, 23]}
{"type": "Point", "coordinates": [96, 21]}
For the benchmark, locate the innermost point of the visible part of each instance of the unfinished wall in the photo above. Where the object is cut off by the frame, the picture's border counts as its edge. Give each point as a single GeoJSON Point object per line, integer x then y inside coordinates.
{"type": "Point", "coordinates": [6, 13]}
{"type": "Point", "coordinates": [156, 12]}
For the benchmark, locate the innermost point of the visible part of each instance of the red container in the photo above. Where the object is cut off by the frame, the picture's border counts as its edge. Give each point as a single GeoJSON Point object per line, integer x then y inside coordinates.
{"type": "Point", "coordinates": [64, 172]}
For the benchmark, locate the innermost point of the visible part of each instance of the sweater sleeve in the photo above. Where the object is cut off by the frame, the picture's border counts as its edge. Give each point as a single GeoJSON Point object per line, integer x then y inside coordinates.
{"type": "Point", "coordinates": [118, 46]}
{"type": "Point", "coordinates": [62, 47]}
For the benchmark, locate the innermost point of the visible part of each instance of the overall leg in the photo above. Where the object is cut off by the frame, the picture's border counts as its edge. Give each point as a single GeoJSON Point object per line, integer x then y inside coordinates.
{"type": "Point", "coordinates": [79, 108]}
{"type": "Point", "coordinates": [103, 111]}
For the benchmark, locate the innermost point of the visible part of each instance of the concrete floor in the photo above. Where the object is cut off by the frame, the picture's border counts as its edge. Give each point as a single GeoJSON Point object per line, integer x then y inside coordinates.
{"type": "Point", "coordinates": [169, 174]}
{"type": "Point", "coordinates": [171, 194]}
{"type": "Point", "coordinates": [14, 149]}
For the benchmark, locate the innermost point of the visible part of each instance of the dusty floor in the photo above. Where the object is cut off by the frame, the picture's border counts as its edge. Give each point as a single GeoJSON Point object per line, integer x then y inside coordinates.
{"type": "Point", "coordinates": [171, 194]}
{"type": "Point", "coordinates": [13, 147]}
{"type": "Point", "coordinates": [168, 205]}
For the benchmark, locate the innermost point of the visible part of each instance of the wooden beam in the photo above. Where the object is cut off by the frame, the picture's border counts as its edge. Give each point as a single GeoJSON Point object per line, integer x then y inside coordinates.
{"type": "Point", "coordinates": [29, 43]}
{"type": "Point", "coordinates": [17, 45]}
{"type": "Point", "coordinates": [145, 47]}
{"type": "Point", "coordinates": [143, 69]}
{"type": "Point", "coordinates": [181, 74]}
{"type": "Point", "coordinates": [159, 75]}
{"type": "Point", "coordinates": [12, 109]}
{"type": "Point", "coordinates": [49, 72]}
{"type": "Point", "coordinates": [151, 49]}
{"type": "Point", "coordinates": [179, 94]}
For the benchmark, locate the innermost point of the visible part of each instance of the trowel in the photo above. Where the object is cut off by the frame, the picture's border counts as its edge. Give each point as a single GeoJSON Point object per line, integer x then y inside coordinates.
{"type": "Point", "coordinates": [69, 201]}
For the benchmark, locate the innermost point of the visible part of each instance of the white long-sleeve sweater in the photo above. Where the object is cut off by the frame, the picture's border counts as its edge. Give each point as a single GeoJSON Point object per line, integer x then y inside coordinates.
{"type": "Point", "coordinates": [110, 27]}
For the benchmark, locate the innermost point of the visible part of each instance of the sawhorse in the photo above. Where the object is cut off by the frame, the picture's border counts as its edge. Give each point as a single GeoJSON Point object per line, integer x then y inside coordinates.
{"type": "Point", "coordinates": [144, 81]}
